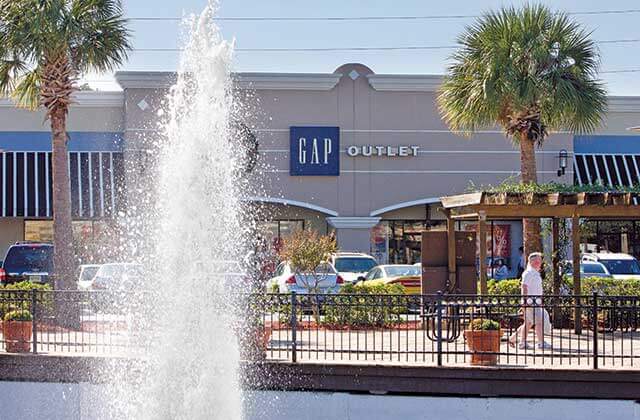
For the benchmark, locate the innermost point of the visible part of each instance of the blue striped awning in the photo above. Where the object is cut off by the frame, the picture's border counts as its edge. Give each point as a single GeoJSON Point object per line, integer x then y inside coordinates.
{"type": "Point", "coordinates": [96, 181]}
{"type": "Point", "coordinates": [607, 169]}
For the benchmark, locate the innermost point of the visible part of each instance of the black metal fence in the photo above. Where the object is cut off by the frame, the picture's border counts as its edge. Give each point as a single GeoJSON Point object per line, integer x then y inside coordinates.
{"type": "Point", "coordinates": [68, 321]}
{"type": "Point", "coordinates": [587, 331]}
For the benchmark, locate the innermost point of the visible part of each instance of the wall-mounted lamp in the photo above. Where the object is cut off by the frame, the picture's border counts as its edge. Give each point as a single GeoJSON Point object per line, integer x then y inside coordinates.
{"type": "Point", "coordinates": [563, 157]}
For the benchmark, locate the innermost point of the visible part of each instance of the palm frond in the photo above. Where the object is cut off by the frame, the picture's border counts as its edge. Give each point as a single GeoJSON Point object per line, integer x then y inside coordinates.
{"type": "Point", "coordinates": [26, 93]}
{"type": "Point", "coordinates": [515, 63]}
{"type": "Point", "coordinates": [83, 35]}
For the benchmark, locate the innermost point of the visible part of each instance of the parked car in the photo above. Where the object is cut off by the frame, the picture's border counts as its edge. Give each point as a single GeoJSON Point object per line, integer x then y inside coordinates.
{"type": "Point", "coordinates": [30, 261]}
{"type": "Point", "coordinates": [117, 276]}
{"type": "Point", "coordinates": [620, 266]}
{"type": "Point", "coordinates": [351, 265]}
{"type": "Point", "coordinates": [324, 280]}
{"type": "Point", "coordinates": [587, 269]}
{"type": "Point", "coordinates": [407, 275]}
{"type": "Point", "coordinates": [86, 273]}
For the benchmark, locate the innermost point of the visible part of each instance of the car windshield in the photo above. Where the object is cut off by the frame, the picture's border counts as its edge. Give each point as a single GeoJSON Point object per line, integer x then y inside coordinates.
{"type": "Point", "coordinates": [402, 270]}
{"type": "Point", "coordinates": [88, 273]}
{"type": "Point", "coordinates": [325, 268]}
{"type": "Point", "coordinates": [593, 268]}
{"type": "Point", "coordinates": [622, 266]}
{"type": "Point", "coordinates": [354, 265]}
{"type": "Point", "coordinates": [29, 258]}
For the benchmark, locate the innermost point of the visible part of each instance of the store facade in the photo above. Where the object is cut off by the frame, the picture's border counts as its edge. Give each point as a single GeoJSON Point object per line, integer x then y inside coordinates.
{"type": "Point", "coordinates": [96, 172]}
{"type": "Point", "coordinates": [360, 155]}
{"type": "Point", "coordinates": [366, 156]}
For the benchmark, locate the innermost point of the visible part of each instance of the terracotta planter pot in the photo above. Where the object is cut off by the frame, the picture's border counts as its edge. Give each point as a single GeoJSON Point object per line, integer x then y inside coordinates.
{"type": "Point", "coordinates": [496, 198]}
{"type": "Point", "coordinates": [620, 199]}
{"type": "Point", "coordinates": [264, 337]}
{"type": "Point", "coordinates": [553, 199]}
{"type": "Point", "coordinates": [17, 336]}
{"type": "Point", "coordinates": [535, 198]}
{"type": "Point", "coordinates": [481, 342]}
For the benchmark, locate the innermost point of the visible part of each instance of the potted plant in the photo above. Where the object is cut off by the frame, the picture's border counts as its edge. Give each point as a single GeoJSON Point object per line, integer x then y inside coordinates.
{"type": "Point", "coordinates": [17, 330]}
{"type": "Point", "coordinates": [483, 336]}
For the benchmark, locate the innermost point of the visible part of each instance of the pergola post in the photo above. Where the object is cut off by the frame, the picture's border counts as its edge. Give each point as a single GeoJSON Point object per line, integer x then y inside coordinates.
{"type": "Point", "coordinates": [451, 250]}
{"type": "Point", "coordinates": [555, 265]}
{"type": "Point", "coordinates": [482, 239]}
{"type": "Point", "coordinates": [577, 286]}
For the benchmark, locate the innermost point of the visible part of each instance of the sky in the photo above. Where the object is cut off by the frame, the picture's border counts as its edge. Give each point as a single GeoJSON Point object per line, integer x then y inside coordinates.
{"type": "Point", "coordinates": [323, 34]}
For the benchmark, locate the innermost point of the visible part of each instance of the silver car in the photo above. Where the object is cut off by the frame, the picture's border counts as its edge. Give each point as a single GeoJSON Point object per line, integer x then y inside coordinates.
{"type": "Point", "coordinates": [325, 279]}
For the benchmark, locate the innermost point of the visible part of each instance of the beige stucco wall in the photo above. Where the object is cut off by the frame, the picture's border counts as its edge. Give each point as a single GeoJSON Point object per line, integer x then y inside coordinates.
{"type": "Point", "coordinates": [448, 163]}
{"type": "Point", "coordinates": [11, 231]}
{"type": "Point", "coordinates": [92, 119]}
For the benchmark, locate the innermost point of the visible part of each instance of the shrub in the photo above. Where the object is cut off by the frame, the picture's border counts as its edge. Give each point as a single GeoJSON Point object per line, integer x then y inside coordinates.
{"type": "Point", "coordinates": [18, 315]}
{"type": "Point", "coordinates": [368, 305]}
{"type": "Point", "coordinates": [484, 325]}
{"type": "Point", "coordinates": [603, 286]}
{"type": "Point", "coordinates": [18, 296]}
{"type": "Point", "coordinates": [503, 287]}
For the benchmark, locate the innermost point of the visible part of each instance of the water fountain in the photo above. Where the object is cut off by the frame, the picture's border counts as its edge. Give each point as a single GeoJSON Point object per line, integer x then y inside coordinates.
{"type": "Point", "coordinates": [193, 357]}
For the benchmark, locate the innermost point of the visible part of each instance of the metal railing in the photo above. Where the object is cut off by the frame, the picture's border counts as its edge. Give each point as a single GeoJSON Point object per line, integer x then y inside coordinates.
{"type": "Point", "coordinates": [70, 321]}
{"type": "Point", "coordinates": [431, 329]}
{"type": "Point", "coordinates": [368, 328]}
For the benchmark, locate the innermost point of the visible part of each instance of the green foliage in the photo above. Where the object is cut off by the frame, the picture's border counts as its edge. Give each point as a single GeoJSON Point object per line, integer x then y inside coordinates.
{"type": "Point", "coordinates": [507, 287]}
{"type": "Point", "coordinates": [37, 37]}
{"type": "Point", "coordinates": [484, 325]}
{"type": "Point", "coordinates": [526, 69]}
{"type": "Point", "coordinates": [604, 286]}
{"type": "Point", "coordinates": [18, 296]}
{"type": "Point", "coordinates": [305, 250]}
{"type": "Point", "coordinates": [18, 315]}
{"type": "Point", "coordinates": [600, 285]}
{"type": "Point", "coordinates": [513, 185]}
{"type": "Point", "coordinates": [367, 306]}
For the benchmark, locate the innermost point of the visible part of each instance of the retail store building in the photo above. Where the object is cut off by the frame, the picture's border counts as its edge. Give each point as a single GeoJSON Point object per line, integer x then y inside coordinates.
{"type": "Point", "coordinates": [362, 154]}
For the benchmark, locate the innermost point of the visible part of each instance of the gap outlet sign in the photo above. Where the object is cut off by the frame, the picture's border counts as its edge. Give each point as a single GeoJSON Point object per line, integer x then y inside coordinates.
{"type": "Point", "coordinates": [314, 151]}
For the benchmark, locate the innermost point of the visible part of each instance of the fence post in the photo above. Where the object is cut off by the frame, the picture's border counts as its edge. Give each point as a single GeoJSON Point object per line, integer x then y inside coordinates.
{"type": "Point", "coordinates": [595, 330]}
{"type": "Point", "coordinates": [294, 320]}
{"type": "Point", "coordinates": [439, 327]}
{"type": "Point", "coordinates": [34, 322]}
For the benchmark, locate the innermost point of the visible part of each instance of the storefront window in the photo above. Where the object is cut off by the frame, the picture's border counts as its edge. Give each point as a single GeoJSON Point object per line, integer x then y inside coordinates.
{"type": "Point", "coordinates": [380, 242]}
{"type": "Point", "coordinates": [613, 236]}
{"type": "Point", "coordinates": [400, 241]}
{"type": "Point", "coordinates": [94, 241]}
{"type": "Point", "coordinates": [274, 231]}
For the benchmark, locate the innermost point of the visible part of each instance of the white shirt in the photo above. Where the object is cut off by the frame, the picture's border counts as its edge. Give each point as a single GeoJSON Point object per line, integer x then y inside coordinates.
{"type": "Point", "coordinates": [531, 278]}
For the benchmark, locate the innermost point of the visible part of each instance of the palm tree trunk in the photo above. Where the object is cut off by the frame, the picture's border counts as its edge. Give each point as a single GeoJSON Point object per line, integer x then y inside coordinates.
{"type": "Point", "coordinates": [63, 259]}
{"type": "Point", "coordinates": [529, 174]}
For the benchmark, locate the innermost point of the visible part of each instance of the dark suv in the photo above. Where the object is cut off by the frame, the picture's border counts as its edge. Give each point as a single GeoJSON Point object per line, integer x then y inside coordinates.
{"type": "Point", "coordinates": [30, 261]}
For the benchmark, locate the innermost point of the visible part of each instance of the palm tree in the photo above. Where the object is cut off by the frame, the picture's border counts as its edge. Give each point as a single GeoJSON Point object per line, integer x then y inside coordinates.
{"type": "Point", "coordinates": [45, 46]}
{"type": "Point", "coordinates": [529, 71]}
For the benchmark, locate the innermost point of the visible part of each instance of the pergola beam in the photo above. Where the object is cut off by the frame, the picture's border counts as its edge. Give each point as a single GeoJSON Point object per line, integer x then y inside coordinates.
{"type": "Point", "coordinates": [482, 239]}
{"type": "Point", "coordinates": [562, 211]}
{"type": "Point", "coordinates": [577, 286]}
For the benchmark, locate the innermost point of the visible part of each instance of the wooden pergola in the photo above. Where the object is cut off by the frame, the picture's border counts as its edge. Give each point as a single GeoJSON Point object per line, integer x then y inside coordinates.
{"type": "Point", "coordinates": [487, 206]}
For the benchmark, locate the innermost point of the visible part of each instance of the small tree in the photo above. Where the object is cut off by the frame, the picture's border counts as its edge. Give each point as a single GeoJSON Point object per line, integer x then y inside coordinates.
{"type": "Point", "coordinates": [528, 70]}
{"type": "Point", "coordinates": [305, 250]}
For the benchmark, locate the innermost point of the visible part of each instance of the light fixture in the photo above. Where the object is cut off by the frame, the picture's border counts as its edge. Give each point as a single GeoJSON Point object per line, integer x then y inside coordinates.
{"type": "Point", "coordinates": [562, 160]}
